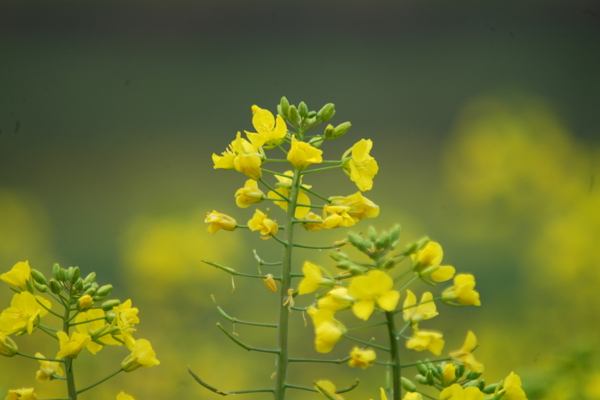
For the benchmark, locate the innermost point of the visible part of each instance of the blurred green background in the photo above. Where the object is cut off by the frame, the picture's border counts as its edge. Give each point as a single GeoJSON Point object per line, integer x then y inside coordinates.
{"type": "Point", "coordinates": [486, 126]}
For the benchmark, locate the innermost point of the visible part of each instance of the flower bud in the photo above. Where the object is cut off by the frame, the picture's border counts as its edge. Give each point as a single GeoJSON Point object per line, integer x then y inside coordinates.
{"type": "Point", "coordinates": [478, 383]}
{"type": "Point", "coordinates": [329, 131]}
{"type": "Point", "coordinates": [8, 347]}
{"type": "Point", "coordinates": [338, 255]}
{"type": "Point", "coordinates": [55, 286]}
{"type": "Point", "coordinates": [429, 376]}
{"type": "Point", "coordinates": [421, 368]}
{"type": "Point", "coordinates": [473, 375]}
{"type": "Point", "coordinates": [421, 379]}
{"type": "Point", "coordinates": [38, 277]}
{"type": "Point", "coordinates": [78, 285]}
{"type": "Point", "coordinates": [284, 105]}
{"type": "Point", "coordinates": [460, 370]}
{"type": "Point", "coordinates": [75, 275]}
{"type": "Point", "coordinates": [489, 389]}
{"type": "Point", "coordinates": [316, 142]}
{"type": "Point", "coordinates": [56, 271]}
{"type": "Point", "coordinates": [103, 292]}
{"type": "Point", "coordinates": [383, 242]}
{"type": "Point", "coordinates": [85, 302]}
{"type": "Point", "coordinates": [407, 384]}
{"type": "Point", "coordinates": [30, 287]}
{"type": "Point", "coordinates": [341, 129]}
{"type": "Point", "coordinates": [109, 304]}
{"type": "Point", "coordinates": [40, 287]}
{"type": "Point", "coordinates": [90, 278]}
{"type": "Point", "coordinates": [389, 264]}
{"type": "Point", "coordinates": [293, 115]}
{"type": "Point", "coordinates": [326, 112]}
{"type": "Point", "coordinates": [302, 109]}
{"type": "Point", "coordinates": [270, 283]}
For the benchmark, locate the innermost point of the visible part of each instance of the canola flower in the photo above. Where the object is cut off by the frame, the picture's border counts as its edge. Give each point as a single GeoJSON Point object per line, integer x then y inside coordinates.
{"type": "Point", "coordinates": [218, 221]}
{"type": "Point", "coordinates": [142, 355]}
{"type": "Point", "coordinates": [462, 293]}
{"type": "Point", "coordinates": [24, 313]}
{"type": "Point", "coordinates": [302, 154]}
{"type": "Point", "coordinates": [21, 394]}
{"type": "Point", "coordinates": [363, 358]}
{"type": "Point", "coordinates": [426, 340]}
{"type": "Point", "coordinates": [465, 354]}
{"type": "Point", "coordinates": [261, 222]}
{"type": "Point", "coordinates": [361, 167]}
{"type": "Point", "coordinates": [414, 313]}
{"type": "Point", "coordinates": [249, 194]}
{"type": "Point", "coordinates": [270, 130]}
{"type": "Point", "coordinates": [18, 275]}
{"type": "Point", "coordinates": [371, 289]}
{"type": "Point", "coordinates": [8, 348]}
{"type": "Point", "coordinates": [70, 347]}
{"type": "Point", "coordinates": [328, 330]}
{"type": "Point", "coordinates": [457, 392]}
{"type": "Point", "coordinates": [49, 370]}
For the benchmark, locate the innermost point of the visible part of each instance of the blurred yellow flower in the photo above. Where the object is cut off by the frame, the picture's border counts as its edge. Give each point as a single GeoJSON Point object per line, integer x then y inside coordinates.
{"type": "Point", "coordinates": [376, 287]}
{"type": "Point", "coordinates": [465, 354]}
{"type": "Point", "coordinates": [48, 369]}
{"type": "Point", "coordinates": [126, 317]}
{"type": "Point", "coordinates": [313, 226]}
{"type": "Point", "coordinates": [456, 392]}
{"type": "Point", "coordinates": [449, 374]}
{"type": "Point", "coordinates": [302, 154]}
{"type": "Point", "coordinates": [426, 340]}
{"type": "Point", "coordinates": [336, 299]}
{"type": "Point", "coordinates": [360, 206]}
{"type": "Point", "coordinates": [328, 330]}
{"type": "Point", "coordinates": [412, 396]}
{"type": "Point", "coordinates": [512, 388]}
{"type": "Point", "coordinates": [361, 167]}
{"type": "Point", "coordinates": [362, 357]}
{"type": "Point", "coordinates": [123, 396]}
{"type": "Point", "coordinates": [142, 355]}
{"type": "Point", "coordinates": [18, 275]}
{"type": "Point", "coordinates": [70, 347]}
{"type": "Point", "coordinates": [337, 216]}
{"type": "Point", "coordinates": [270, 130]}
{"type": "Point", "coordinates": [21, 394]}
{"type": "Point", "coordinates": [242, 156]}
{"type": "Point", "coordinates": [313, 277]}
{"type": "Point", "coordinates": [284, 188]}
{"type": "Point", "coordinates": [24, 313]}
{"type": "Point", "coordinates": [427, 262]}
{"type": "Point", "coordinates": [266, 226]}
{"type": "Point", "coordinates": [425, 310]}
{"type": "Point", "coordinates": [219, 221]}
{"type": "Point", "coordinates": [249, 194]}
{"type": "Point", "coordinates": [97, 328]}
{"type": "Point", "coordinates": [8, 347]}
{"type": "Point", "coordinates": [462, 291]}
{"type": "Point", "coordinates": [85, 302]}
{"type": "Point", "coordinates": [327, 387]}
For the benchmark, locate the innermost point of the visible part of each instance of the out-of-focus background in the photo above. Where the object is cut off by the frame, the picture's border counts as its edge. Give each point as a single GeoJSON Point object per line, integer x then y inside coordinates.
{"type": "Point", "coordinates": [485, 120]}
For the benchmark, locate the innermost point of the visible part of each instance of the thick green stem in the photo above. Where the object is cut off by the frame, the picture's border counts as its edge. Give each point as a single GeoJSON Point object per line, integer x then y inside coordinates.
{"type": "Point", "coordinates": [395, 353]}
{"type": "Point", "coordinates": [286, 275]}
{"type": "Point", "coordinates": [71, 390]}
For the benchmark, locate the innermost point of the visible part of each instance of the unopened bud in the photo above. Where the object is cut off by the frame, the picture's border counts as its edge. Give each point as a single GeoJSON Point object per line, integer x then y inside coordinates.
{"type": "Point", "coordinates": [284, 105]}
{"type": "Point", "coordinates": [78, 285]}
{"type": "Point", "coordinates": [56, 271]}
{"type": "Point", "coordinates": [338, 255]}
{"type": "Point", "coordinates": [38, 277]}
{"type": "Point", "coordinates": [270, 283]}
{"type": "Point", "coordinates": [40, 287]}
{"type": "Point", "coordinates": [421, 368]}
{"type": "Point", "coordinates": [473, 375]}
{"type": "Point", "coordinates": [429, 376]}
{"type": "Point", "coordinates": [30, 287]}
{"type": "Point", "coordinates": [109, 304]}
{"type": "Point", "coordinates": [329, 131]}
{"type": "Point", "coordinates": [489, 389]}
{"type": "Point", "coordinates": [341, 129]}
{"type": "Point", "coordinates": [421, 379]}
{"type": "Point", "coordinates": [103, 292]}
{"type": "Point", "coordinates": [293, 115]}
{"type": "Point", "coordinates": [90, 278]}
{"type": "Point", "coordinates": [302, 109]}
{"type": "Point", "coordinates": [85, 302]}
{"type": "Point", "coordinates": [316, 142]}
{"type": "Point", "coordinates": [407, 384]}
{"type": "Point", "coordinates": [8, 347]}
{"type": "Point", "coordinates": [55, 286]}
{"type": "Point", "coordinates": [326, 112]}
{"type": "Point", "coordinates": [75, 275]}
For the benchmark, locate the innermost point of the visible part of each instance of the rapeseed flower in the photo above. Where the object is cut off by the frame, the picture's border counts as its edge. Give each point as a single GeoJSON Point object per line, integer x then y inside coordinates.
{"type": "Point", "coordinates": [337, 216]}
{"type": "Point", "coordinates": [313, 278]}
{"type": "Point", "coordinates": [219, 221]}
{"type": "Point", "coordinates": [412, 396]}
{"type": "Point", "coordinates": [126, 317]}
{"type": "Point", "coordinates": [242, 156]}
{"type": "Point", "coordinates": [8, 347]}
{"type": "Point", "coordinates": [48, 369]}
{"type": "Point", "coordinates": [24, 313]}
{"type": "Point", "coordinates": [18, 275]}
{"type": "Point", "coordinates": [328, 330]}
{"type": "Point", "coordinates": [449, 374]}
{"type": "Point", "coordinates": [376, 287]}
{"type": "Point", "coordinates": [70, 347]}
{"type": "Point", "coordinates": [21, 394]}
{"type": "Point", "coordinates": [336, 299]}
{"type": "Point", "coordinates": [360, 206]}
{"type": "Point", "coordinates": [270, 130]}
{"type": "Point", "coordinates": [361, 167]}
{"type": "Point", "coordinates": [266, 226]}
{"type": "Point", "coordinates": [123, 396]}
{"type": "Point", "coordinates": [85, 302]}
{"type": "Point", "coordinates": [465, 354]}
{"type": "Point", "coordinates": [362, 357]}
{"type": "Point", "coordinates": [425, 310]}
{"type": "Point", "coordinates": [97, 328]}
{"type": "Point", "coordinates": [141, 355]}
{"type": "Point", "coordinates": [249, 194]}
{"type": "Point", "coordinates": [456, 392]}
{"type": "Point", "coordinates": [427, 262]}
{"type": "Point", "coordinates": [302, 154]}
{"type": "Point", "coordinates": [284, 189]}
{"type": "Point", "coordinates": [325, 386]}
{"type": "Point", "coordinates": [313, 226]}
{"type": "Point", "coordinates": [426, 340]}
{"type": "Point", "coordinates": [462, 292]}
{"type": "Point", "coordinates": [512, 388]}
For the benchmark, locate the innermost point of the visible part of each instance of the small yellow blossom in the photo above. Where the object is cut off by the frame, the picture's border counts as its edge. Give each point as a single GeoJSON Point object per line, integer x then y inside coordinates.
{"type": "Point", "coordinates": [24, 313]}
{"type": "Point", "coordinates": [21, 394]}
{"type": "Point", "coordinates": [283, 191]}
{"type": "Point", "coordinates": [249, 194]}
{"type": "Point", "coordinates": [242, 156]}
{"type": "Point", "coordinates": [328, 330]}
{"type": "Point", "coordinates": [465, 354]}
{"type": "Point", "coordinates": [361, 167]}
{"type": "Point", "coordinates": [141, 355]}
{"type": "Point", "coordinates": [362, 358]}
{"type": "Point", "coordinates": [360, 206]}
{"type": "Point", "coordinates": [123, 396]}
{"type": "Point", "coordinates": [70, 347]}
{"type": "Point", "coordinates": [126, 317]}
{"type": "Point", "coordinates": [219, 221]}
{"type": "Point", "coordinates": [97, 328]}
{"type": "Point", "coordinates": [449, 374]}
{"type": "Point", "coordinates": [8, 347]}
{"type": "Point", "coordinates": [302, 154]}
{"type": "Point", "coordinates": [270, 130]}
{"type": "Point", "coordinates": [376, 287]}
{"type": "Point", "coordinates": [412, 396]}
{"type": "Point", "coordinates": [48, 369]}
{"type": "Point", "coordinates": [425, 310]}
{"type": "Point", "coordinates": [512, 388]}
{"type": "Point", "coordinates": [336, 299]}
{"type": "Point", "coordinates": [325, 386]}
{"type": "Point", "coordinates": [266, 226]}
{"type": "Point", "coordinates": [426, 340]}
{"type": "Point", "coordinates": [456, 392]}
{"type": "Point", "coordinates": [18, 275]}
{"type": "Point", "coordinates": [427, 262]}
{"type": "Point", "coordinates": [313, 226]}
{"type": "Point", "coordinates": [270, 283]}
{"type": "Point", "coordinates": [462, 292]}
{"type": "Point", "coordinates": [337, 216]}
{"type": "Point", "coordinates": [313, 277]}
{"type": "Point", "coordinates": [85, 302]}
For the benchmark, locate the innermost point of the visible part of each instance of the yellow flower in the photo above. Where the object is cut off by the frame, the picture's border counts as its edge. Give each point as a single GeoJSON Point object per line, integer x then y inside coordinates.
{"type": "Point", "coordinates": [376, 287]}
{"type": "Point", "coordinates": [449, 374]}
{"type": "Point", "coordinates": [336, 299]}
{"type": "Point", "coordinates": [462, 291]}
{"type": "Point", "coordinates": [18, 275]}
{"type": "Point", "coordinates": [126, 317]}
{"type": "Point", "coordinates": [337, 216]}
{"type": "Point", "coordinates": [328, 330]}
{"type": "Point", "coordinates": [425, 310]}
{"type": "Point", "coordinates": [313, 277]}
{"type": "Point", "coordinates": [427, 262]}
{"type": "Point", "coordinates": [219, 221]}
{"type": "Point", "coordinates": [284, 189]}
{"type": "Point", "coordinates": [313, 226]}
{"type": "Point", "coordinates": [97, 328]}
{"type": "Point", "coordinates": [85, 302]}
{"type": "Point", "coordinates": [141, 355]}
{"type": "Point", "coordinates": [21, 394]}
{"type": "Point", "coordinates": [512, 388]}
{"type": "Point", "coordinates": [266, 226]}
{"type": "Point", "coordinates": [249, 194]}
{"type": "Point", "coordinates": [361, 167]}
{"type": "Point", "coordinates": [325, 386]}
{"type": "Point", "coordinates": [362, 358]}
{"type": "Point", "coordinates": [123, 396]}
{"type": "Point", "coordinates": [465, 354]}
{"type": "Point", "coordinates": [426, 340]}
{"type": "Point", "coordinates": [24, 313]}
{"type": "Point", "coordinates": [8, 347]}
{"type": "Point", "coordinates": [271, 130]}
{"type": "Point", "coordinates": [48, 369]}
{"type": "Point", "coordinates": [412, 396]}
{"type": "Point", "coordinates": [302, 154]}
{"type": "Point", "coordinates": [242, 156]}
{"type": "Point", "coordinates": [456, 392]}
{"type": "Point", "coordinates": [71, 347]}
{"type": "Point", "coordinates": [360, 206]}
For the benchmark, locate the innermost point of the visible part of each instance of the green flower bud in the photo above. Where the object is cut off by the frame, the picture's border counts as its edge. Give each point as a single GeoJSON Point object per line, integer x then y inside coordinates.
{"type": "Point", "coordinates": [460, 370]}
{"type": "Point", "coordinates": [473, 375]}
{"type": "Point", "coordinates": [69, 274]}
{"type": "Point", "coordinates": [38, 277]}
{"type": "Point", "coordinates": [310, 121]}
{"type": "Point", "coordinates": [78, 285]}
{"type": "Point", "coordinates": [421, 368]}
{"type": "Point", "coordinates": [55, 286]}
{"type": "Point", "coordinates": [75, 275]}
{"type": "Point", "coordinates": [302, 109]}
{"type": "Point", "coordinates": [293, 115]}
{"type": "Point", "coordinates": [89, 291]}
{"type": "Point", "coordinates": [8, 348]}
{"type": "Point", "coordinates": [389, 264]}
{"type": "Point", "coordinates": [429, 376]}
{"type": "Point", "coordinates": [110, 316]}
{"type": "Point", "coordinates": [312, 114]}
{"type": "Point", "coordinates": [383, 242]}
{"type": "Point", "coordinates": [329, 131]}
{"type": "Point", "coordinates": [30, 287]}
{"type": "Point", "coordinates": [478, 383]}
{"type": "Point", "coordinates": [345, 264]}
{"type": "Point", "coordinates": [316, 142]}
{"type": "Point", "coordinates": [421, 379]}
{"type": "Point", "coordinates": [372, 233]}
{"type": "Point", "coordinates": [56, 271]}
{"type": "Point", "coordinates": [40, 287]}
{"type": "Point", "coordinates": [489, 389]}
{"type": "Point", "coordinates": [109, 304]}
{"type": "Point", "coordinates": [103, 292]}
{"type": "Point", "coordinates": [326, 112]}
{"type": "Point", "coordinates": [338, 255]}
{"type": "Point", "coordinates": [407, 384]}
{"type": "Point", "coordinates": [358, 242]}
{"type": "Point", "coordinates": [341, 129]}
{"type": "Point", "coordinates": [395, 233]}
{"type": "Point", "coordinates": [284, 107]}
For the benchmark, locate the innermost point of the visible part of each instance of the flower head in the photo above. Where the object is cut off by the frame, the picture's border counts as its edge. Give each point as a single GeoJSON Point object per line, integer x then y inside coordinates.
{"type": "Point", "coordinates": [70, 347]}
{"type": "Point", "coordinates": [456, 392]}
{"type": "Point", "coordinates": [425, 310]}
{"type": "Point", "coordinates": [97, 328]}
{"type": "Point", "coordinates": [283, 191]}
{"type": "Point", "coordinates": [48, 369]}
{"type": "Point", "coordinates": [141, 355]}
{"type": "Point", "coordinates": [337, 216]}
{"type": "Point", "coordinates": [219, 221]}
{"type": "Point", "coordinates": [512, 388]}
{"type": "Point", "coordinates": [249, 194]}
{"type": "Point", "coordinates": [313, 226]}
{"type": "Point", "coordinates": [449, 374]}
{"type": "Point", "coordinates": [8, 347]}
{"type": "Point", "coordinates": [360, 206]}
{"type": "Point", "coordinates": [18, 275]}
{"type": "Point", "coordinates": [21, 394]}
{"type": "Point", "coordinates": [313, 277]}
{"type": "Point", "coordinates": [361, 167]}
{"type": "Point", "coordinates": [362, 357]}
{"type": "Point", "coordinates": [328, 330]}
{"type": "Point", "coordinates": [85, 302]}
{"type": "Point", "coordinates": [426, 340]}
{"type": "Point", "coordinates": [336, 299]}
{"type": "Point", "coordinates": [242, 156]}
{"type": "Point", "coordinates": [376, 287]}
{"type": "Point", "coordinates": [462, 292]}
{"type": "Point", "coordinates": [465, 354]}
{"type": "Point", "coordinates": [126, 317]}
{"type": "Point", "coordinates": [270, 130]}
{"type": "Point", "coordinates": [266, 226]}
{"type": "Point", "coordinates": [24, 313]}
{"type": "Point", "coordinates": [302, 154]}
{"type": "Point", "coordinates": [427, 262]}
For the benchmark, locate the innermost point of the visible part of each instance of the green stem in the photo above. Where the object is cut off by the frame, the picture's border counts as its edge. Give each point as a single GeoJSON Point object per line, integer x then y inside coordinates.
{"type": "Point", "coordinates": [321, 169]}
{"type": "Point", "coordinates": [367, 326]}
{"type": "Point", "coordinates": [38, 358]}
{"type": "Point", "coordinates": [316, 195]}
{"type": "Point", "coordinates": [100, 381]}
{"type": "Point", "coordinates": [395, 353]}
{"type": "Point", "coordinates": [316, 360]}
{"type": "Point", "coordinates": [71, 390]}
{"type": "Point", "coordinates": [376, 346]}
{"type": "Point", "coordinates": [48, 332]}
